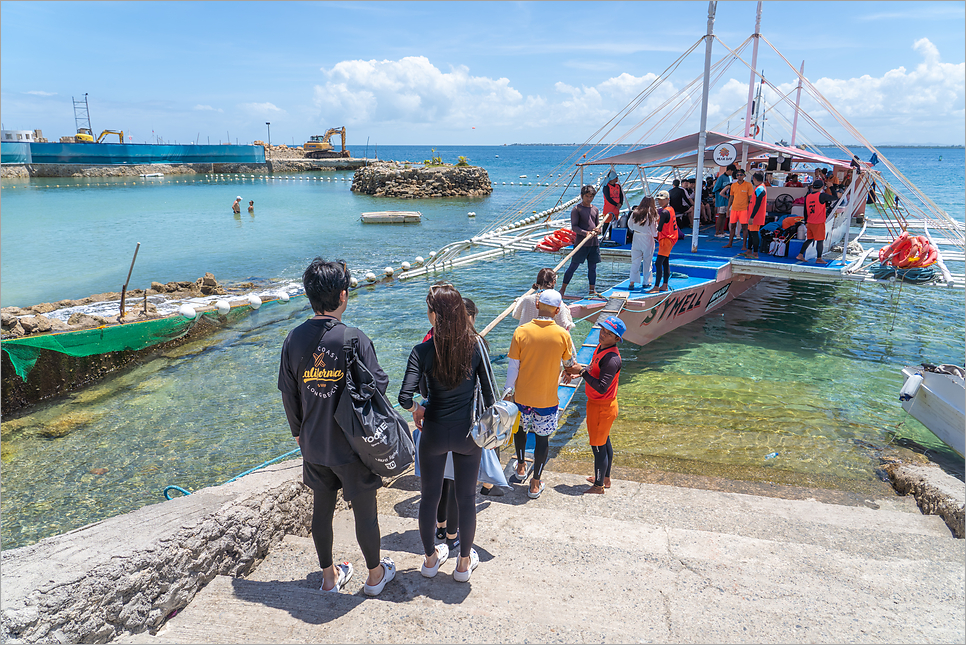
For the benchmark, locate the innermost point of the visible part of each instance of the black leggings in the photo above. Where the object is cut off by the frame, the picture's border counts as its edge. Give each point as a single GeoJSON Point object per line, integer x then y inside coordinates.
{"type": "Point", "coordinates": [576, 262]}
{"type": "Point", "coordinates": [367, 526]}
{"type": "Point", "coordinates": [819, 247]}
{"type": "Point", "coordinates": [447, 512]}
{"type": "Point", "coordinates": [663, 265]}
{"type": "Point", "coordinates": [754, 241]}
{"type": "Point", "coordinates": [603, 460]}
{"type": "Point", "coordinates": [541, 451]}
{"type": "Point", "coordinates": [434, 443]}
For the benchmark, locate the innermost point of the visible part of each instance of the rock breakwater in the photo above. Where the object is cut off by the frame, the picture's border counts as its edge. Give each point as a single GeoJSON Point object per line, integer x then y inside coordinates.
{"type": "Point", "coordinates": [399, 179]}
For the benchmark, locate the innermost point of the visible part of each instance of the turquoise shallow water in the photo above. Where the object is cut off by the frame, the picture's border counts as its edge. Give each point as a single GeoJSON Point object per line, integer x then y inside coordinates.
{"type": "Point", "coordinates": [809, 371]}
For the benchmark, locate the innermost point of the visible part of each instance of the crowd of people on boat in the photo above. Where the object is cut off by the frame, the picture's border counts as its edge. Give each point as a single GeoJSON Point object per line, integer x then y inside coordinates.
{"type": "Point", "coordinates": [447, 369]}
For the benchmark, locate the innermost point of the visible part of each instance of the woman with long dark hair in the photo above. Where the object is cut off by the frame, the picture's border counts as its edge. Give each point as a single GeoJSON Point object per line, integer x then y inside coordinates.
{"type": "Point", "coordinates": [643, 222]}
{"type": "Point", "coordinates": [451, 362]}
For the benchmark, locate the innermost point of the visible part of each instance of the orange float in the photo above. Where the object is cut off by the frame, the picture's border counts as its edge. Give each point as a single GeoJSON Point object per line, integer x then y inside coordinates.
{"type": "Point", "coordinates": [909, 251]}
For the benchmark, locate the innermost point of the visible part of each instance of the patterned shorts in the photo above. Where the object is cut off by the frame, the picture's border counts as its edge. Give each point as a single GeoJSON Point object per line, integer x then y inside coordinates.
{"type": "Point", "coordinates": [531, 420]}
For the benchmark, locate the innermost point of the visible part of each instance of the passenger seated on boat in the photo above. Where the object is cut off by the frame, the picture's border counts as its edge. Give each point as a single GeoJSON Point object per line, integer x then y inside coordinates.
{"type": "Point", "coordinates": [793, 182]}
{"type": "Point", "coordinates": [526, 306]}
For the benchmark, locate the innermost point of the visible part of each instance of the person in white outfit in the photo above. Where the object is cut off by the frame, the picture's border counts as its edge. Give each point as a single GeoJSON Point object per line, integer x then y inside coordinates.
{"type": "Point", "coordinates": [643, 221]}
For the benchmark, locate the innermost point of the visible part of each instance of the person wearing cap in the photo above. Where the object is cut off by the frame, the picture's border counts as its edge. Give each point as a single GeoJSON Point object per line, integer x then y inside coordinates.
{"type": "Point", "coordinates": [526, 306]}
{"type": "Point", "coordinates": [720, 191]}
{"type": "Point", "coordinates": [600, 385]}
{"type": "Point", "coordinates": [738, 203]}
{"type": "Point", "coordinates": [613, 198]}
{"type": "Point", "coordinates": [667, 235]}
{"type": "Point", "coordinates": [815, 214]}
{"type": "Point", "coordinates": [585, 221]}
{"type": "Point", "coordinates": [236, 207]}
{"type": "Point", "coordinates": [535, 356]}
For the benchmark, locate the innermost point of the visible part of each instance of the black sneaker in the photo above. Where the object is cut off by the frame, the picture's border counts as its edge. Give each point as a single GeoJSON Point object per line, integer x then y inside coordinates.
{"type": "Point", "coordinates": [453, 544]}
{"type": "Point", "coordinates": [495, 491]}
{"type": "Point", "coordinates": [440, 532]}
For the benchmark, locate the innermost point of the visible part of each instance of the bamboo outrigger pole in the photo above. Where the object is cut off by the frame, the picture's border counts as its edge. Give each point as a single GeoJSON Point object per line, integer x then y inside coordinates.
{"type": "Point", "coordinates": [703, 133]}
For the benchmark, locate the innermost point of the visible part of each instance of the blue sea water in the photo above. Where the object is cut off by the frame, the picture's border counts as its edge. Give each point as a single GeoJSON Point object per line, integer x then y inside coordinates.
{"type": "Point", "coordinates": [808, 371]}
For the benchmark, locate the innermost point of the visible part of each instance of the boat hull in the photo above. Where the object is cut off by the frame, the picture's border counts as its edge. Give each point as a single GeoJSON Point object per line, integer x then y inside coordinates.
{"type": "Point", "coordinates": [940, 405]}
{"type": "Point", "coordinates": [651, 316]}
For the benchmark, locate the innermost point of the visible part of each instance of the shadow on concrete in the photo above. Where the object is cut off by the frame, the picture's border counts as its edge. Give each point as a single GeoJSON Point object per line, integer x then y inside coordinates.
{"type": "Point", "coordinates": [573, 491]}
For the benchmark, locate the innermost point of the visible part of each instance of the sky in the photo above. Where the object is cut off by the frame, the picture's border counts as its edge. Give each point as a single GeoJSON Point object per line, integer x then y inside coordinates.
{"type": "Point", "coordinates": [473, 73]}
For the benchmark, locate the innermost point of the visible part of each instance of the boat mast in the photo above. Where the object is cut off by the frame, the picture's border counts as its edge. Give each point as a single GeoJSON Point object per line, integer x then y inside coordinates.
{"type": "Point", "coordinates": [798, 99]}
{"type": "Point", "coordinates": [703, 133]}
{"type": "Point", "coordinates": [751, 88]}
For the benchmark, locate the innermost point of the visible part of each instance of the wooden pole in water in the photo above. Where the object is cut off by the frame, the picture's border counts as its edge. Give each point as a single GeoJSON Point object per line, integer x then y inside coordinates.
{"type": "Point", "coordinates": [124, 288]}
{"type": "Point", "coordinates": [509, 309]}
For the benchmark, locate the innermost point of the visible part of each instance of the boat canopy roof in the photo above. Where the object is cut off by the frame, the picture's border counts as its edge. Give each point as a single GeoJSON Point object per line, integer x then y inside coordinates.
{"type": "Point", "coordinates": [674, 153]}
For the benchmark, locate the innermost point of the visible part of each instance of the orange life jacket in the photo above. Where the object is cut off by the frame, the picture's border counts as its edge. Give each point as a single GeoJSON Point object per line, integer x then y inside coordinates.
{"type": "Point", "coordinates": [594, 370]}
{"type": "Point", "coordinates": [670, 230]}
{"type": "Point", "coordinates": [815, 210]}
{"type": "Point", "coordinates": [614, 192]}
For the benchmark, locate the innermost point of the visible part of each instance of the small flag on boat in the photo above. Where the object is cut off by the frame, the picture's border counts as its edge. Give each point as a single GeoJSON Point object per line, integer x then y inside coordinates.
{"type": "Point", "coordinates": [874, 159]}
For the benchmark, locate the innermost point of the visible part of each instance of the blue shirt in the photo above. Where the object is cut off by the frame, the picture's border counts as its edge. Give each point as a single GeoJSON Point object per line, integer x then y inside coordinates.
{"type": "Point", "coordinates": [721, 201]}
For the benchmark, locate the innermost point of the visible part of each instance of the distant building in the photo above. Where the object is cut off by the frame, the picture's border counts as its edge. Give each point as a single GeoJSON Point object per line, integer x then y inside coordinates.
{"type": "Point", "coordinates": [23, 136]}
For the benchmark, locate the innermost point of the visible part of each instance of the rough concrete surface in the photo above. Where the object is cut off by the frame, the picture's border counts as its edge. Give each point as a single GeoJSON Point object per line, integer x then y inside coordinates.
{"type": "Point", "coordinates": [642, 563]}
{"type": "Point", "coordinates": [126, 574]}
{"type": "Point", "coordinates": [936, 492]}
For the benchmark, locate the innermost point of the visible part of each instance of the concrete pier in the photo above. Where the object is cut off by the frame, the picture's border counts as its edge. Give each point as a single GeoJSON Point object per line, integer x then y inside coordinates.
{"type": "Point", "coordinates": [644, 562]}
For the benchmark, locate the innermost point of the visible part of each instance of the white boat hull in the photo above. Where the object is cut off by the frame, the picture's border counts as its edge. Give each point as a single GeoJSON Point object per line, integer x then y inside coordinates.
{"type": "Point", "coordinates": [939, 403]}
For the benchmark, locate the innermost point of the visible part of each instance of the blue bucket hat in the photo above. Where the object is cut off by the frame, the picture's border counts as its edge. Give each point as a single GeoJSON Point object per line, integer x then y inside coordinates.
{"type": "Point", "coordinates": [611, 175]}
{"type": "Point", "coordinates": [614, 325]}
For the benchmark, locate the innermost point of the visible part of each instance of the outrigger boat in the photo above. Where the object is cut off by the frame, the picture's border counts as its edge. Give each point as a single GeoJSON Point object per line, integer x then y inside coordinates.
{"type": "Point", "coordinates": [707, 276]}
{"type": "Point", "coordinates": [935, 395]}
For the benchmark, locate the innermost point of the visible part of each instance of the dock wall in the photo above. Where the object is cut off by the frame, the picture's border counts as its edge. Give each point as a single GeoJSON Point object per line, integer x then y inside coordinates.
{"type": "Point", "coordinates": [128, 573]}
{"type": "Point", "coordinates": [26, 171]}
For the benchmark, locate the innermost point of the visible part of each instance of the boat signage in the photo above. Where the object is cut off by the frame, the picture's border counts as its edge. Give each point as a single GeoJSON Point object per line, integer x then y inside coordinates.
{"type": "Point", "coordinates": [717, 297]}
{"type": "Point", "coordinates": [725, 154]}
{"type": "Point", "coordinates": [674, 306]}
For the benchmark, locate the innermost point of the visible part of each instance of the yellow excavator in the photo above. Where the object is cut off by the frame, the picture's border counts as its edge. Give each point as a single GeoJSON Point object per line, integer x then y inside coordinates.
{"type": "Point", "coordinates": [318, 146]}
{"type": "Point", "coordinates": [84, 136]}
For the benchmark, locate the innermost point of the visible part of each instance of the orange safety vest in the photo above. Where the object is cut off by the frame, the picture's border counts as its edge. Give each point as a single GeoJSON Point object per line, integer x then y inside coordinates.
{"type": "Point", "coordinates": [614, 192]}
{"type": "Point", "coordinates": [670, 230]}
{"type": "Point", "coordinates": [594, 370]}
{"type": "Point", "coordinates": [815, 211]}
{"type": "Point", "coordinates": [762, 209]}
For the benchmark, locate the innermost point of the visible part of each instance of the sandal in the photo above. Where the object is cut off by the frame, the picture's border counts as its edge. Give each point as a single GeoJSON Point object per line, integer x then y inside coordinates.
{"type": "Point", "coordinates": [390, 572]}
{"type": "Point", "coordinates": [527, 470]}
{"type": "Point", "coordinates": [440, 532]}
{"type": "Point", "coordinates": [442, 553]}
{"type": "Point", "coordinates": [344, 571]}
{"type": "Point", "coordinates": [464, 576]}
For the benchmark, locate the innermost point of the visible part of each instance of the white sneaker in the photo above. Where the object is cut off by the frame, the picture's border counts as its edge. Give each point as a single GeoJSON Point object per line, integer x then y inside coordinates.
{"type": "Point", "coordinates": [464, 576]}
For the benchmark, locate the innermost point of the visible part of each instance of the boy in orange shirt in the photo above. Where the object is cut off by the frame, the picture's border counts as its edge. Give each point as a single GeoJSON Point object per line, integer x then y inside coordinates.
{"type": "Point", "coordinates": [738, 203]}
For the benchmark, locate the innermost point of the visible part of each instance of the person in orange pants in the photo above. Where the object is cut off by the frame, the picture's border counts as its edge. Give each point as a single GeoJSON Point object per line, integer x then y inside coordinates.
{"type": "Point", "coordinates": [600, 384]}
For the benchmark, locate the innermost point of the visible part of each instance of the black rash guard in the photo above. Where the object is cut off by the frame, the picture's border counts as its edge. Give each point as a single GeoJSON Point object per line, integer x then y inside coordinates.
{"type": "Point", "coordinates": [610, 365]}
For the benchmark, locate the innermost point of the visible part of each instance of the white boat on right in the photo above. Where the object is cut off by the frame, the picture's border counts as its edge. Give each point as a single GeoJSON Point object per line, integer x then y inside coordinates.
{"type": "Point", "coordinates": [935, 395]}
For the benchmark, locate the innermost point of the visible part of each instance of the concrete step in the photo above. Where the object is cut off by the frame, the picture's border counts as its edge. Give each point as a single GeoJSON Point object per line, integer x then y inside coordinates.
{"type": "Point", "coordinates": [643, 562]}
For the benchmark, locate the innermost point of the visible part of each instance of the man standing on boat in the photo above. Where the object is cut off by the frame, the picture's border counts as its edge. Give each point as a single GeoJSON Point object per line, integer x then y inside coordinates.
{"type": "Point", "coordinates": [756, 219]}
{"type": "Point", "coordinates": [613, 199]}
{"type": "Point", "coordinates": [815, 214]}
{"type": "Point", "coordinates": [720, 192]}
{"type": "Point", "coordinates": [535, 357]}
{"type": "Point", "coordinates": [311, 378]}
{"type": "Point", "coordinates": [738, 202]}
{"type": "Point", "coordinates": [585, 221]}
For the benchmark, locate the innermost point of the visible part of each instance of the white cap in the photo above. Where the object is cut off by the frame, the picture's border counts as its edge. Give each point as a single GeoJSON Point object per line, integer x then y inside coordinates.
{"type": "Point", "coordinates": [550, 297]}
{"type": "Point", "coordinates": [238, 198]}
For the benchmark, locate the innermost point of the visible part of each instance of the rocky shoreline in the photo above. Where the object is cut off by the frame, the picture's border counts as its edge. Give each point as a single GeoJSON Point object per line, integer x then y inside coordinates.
{"type": "Point", "coordinates": [404, 180]}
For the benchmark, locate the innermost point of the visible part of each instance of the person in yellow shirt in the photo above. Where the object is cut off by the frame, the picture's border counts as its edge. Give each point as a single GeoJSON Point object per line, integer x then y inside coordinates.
{"type": "Point", "coordinates": [741, 192]}
{"type": "Point", "coordinates": [536, 352]}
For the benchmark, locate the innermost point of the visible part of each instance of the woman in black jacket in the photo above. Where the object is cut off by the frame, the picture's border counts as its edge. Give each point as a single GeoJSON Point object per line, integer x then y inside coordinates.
{"type": "Point", "coordinates": [451, 363]}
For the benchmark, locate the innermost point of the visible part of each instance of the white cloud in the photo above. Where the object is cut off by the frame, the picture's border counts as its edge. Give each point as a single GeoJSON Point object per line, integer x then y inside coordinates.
{"type": "Point", "coordinates": [412, 92]}
{"type": "Point", "coordinates": [261, 108]}
{"type": "Point", "coordinates": [207, 108]}
{"type": "Point", "coordinates": [40, 93]}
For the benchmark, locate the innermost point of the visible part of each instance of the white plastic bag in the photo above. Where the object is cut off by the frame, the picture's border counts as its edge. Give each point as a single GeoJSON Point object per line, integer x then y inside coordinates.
{"type": "Point", "coordinates": [811, 253]}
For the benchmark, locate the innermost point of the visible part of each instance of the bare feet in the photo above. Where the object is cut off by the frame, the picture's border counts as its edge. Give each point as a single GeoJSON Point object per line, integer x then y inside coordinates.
{"type": "Point", "coordinates": [594, 490]}
{"type": "Point", "coordinates": [590, 480]}
{"type": "Point", "coordinates": [800, 257]}
{"type": "Point", "coordinates": [664, 288]}
{"type": "Point", "coordinates": [727, 246]}
{"type": "Point", "coordinates": [820, 261]}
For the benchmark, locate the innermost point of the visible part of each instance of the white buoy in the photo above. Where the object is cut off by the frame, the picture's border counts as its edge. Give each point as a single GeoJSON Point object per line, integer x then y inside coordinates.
{"type": "Point", "coordinates": [370, 277]}
{"type": "Point", "coordinates": [405, 266]}
{"type": "Point", "coordinates": [388, 271]}
{"type": "Point", "coordinates": [419, 260]}
{"type": "Point", "coordinates": [353, 283]}
{"type": "Point", "coordinates": [283, 297]}
{"type": "Point", "coordinates": [223, 307]}
{"type": "Point", "coordinates": [472, 214]}
{"type": "Point", "coordinates": [254, 301]}
{"type": "Point", "coordinates": [432, 254]}
{"type": "Point", "coordinates": [188, 312]}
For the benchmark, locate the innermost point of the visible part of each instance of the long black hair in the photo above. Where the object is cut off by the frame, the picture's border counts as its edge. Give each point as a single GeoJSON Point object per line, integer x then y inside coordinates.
{"type": "Point", "coordinates": [454, 336]}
